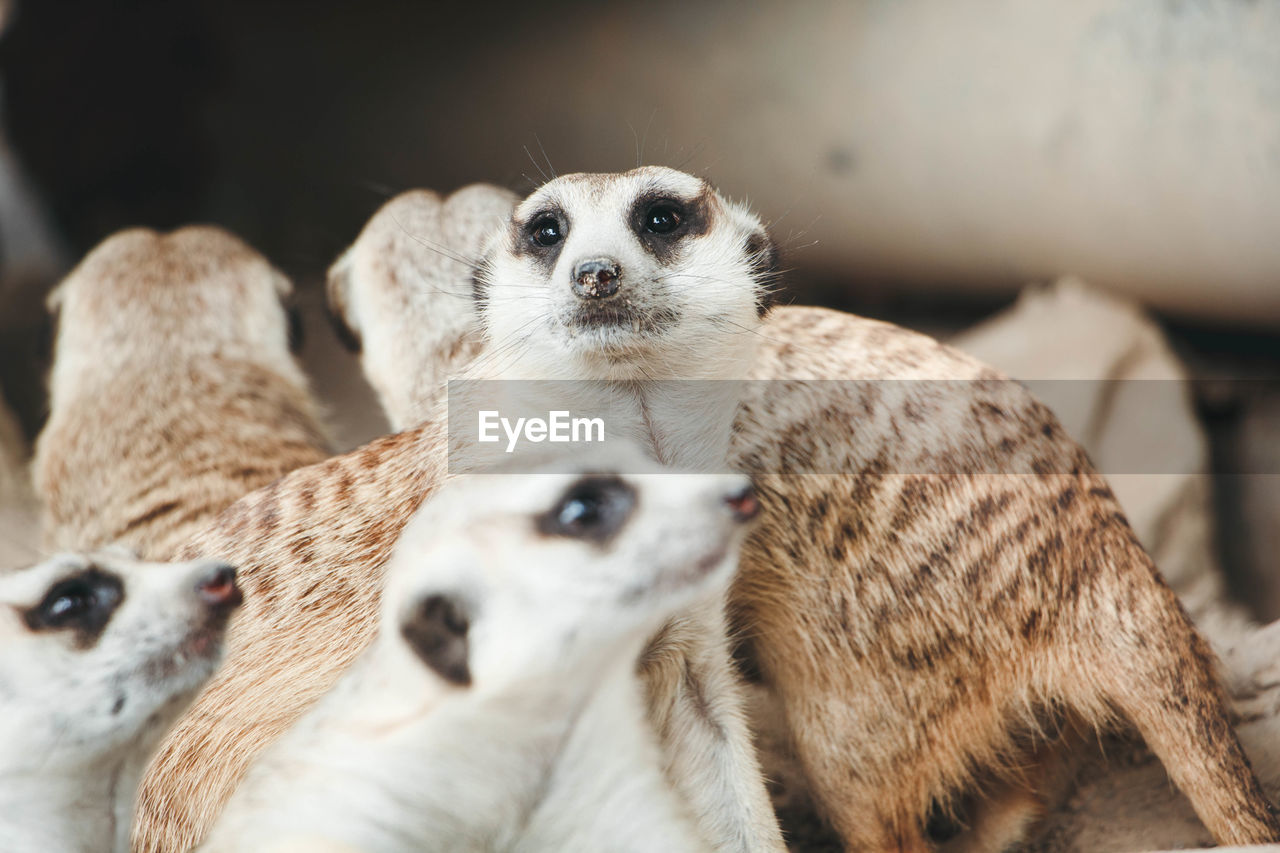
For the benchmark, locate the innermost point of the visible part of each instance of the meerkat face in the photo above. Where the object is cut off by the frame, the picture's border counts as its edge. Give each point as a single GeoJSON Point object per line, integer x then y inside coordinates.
{"type": "Point", "coordinates": [196, 291]}
{"type": "Point", "coordinates": [616, 276]}
{"type": "Point", "coordinates": [503, 578]}
{"type": "Point", "coordinates": [96, 651]}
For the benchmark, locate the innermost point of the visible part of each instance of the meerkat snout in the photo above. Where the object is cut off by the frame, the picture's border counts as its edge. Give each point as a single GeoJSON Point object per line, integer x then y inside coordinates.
{"type": "Point", "coordinates": [99, 654]}
{"type": "Point", "coordinates": [436, 630]}
{"type": "Point", "coordinates": [742, 502]}
{"type": "Point", "coordinates": [596, 278]}
{"type": "Point", "coordinates": [217, 589]}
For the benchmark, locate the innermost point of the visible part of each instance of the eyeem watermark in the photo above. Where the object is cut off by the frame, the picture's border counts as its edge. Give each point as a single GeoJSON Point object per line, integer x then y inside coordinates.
{"type": "Point", "coordinates": [557, 427]}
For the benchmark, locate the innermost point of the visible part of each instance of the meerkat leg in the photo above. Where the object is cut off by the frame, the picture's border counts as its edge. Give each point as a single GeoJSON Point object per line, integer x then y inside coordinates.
{"type": "Point", "coordinates": [1161, 678]}
{"type": "Point", "coordinates": [696, 706]}
{"type": "Point", "coordinates": [871, 804]}
{"type": "Point", "coordinates": [1002, 814]}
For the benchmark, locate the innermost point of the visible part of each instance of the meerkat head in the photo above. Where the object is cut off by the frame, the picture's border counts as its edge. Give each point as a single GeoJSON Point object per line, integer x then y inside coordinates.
{"type": "Point", "coordinates": [508, 578]}
{"type": "Point", "coordinates": [619, 276]}
{"type": "Point", "coordinates": [99, 653]}
{"type": "Point", "coordinates": [400, 296]}
{"type": "Point", "coordinates": [142, 298]}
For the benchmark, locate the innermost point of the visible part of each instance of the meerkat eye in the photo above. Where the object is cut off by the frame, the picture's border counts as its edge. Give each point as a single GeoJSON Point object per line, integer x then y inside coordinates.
{"type": "Point", "coordinates": [85, 601]}
{"type": "Point", "coordinates": [662, 218]}
{"type": "Point", "coordinates": [545, 231]}
{"type": "Point", "coordinates": [67, 602]}
{"type": "Point", "coordinates": [593, 508]}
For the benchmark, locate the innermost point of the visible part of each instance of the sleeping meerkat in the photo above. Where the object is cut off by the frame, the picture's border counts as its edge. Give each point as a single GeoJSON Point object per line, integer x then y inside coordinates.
{"type": "Point", "coordinates": [189, 329]}
{"type": "Point", "coordinates": [915, 617]}
{"type": "Point", "coordinates": [98, 655]}
{"type": "Point", "coordinates": [500, 707]}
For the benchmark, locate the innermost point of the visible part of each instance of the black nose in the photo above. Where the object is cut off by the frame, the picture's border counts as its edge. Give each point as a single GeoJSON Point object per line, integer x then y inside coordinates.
{"type": "Point", "coordinates": [217, 588]}
{"type": "Point", "coordinates": [597, 278]}
{"type": "Point", "coordinates": [742, 503]}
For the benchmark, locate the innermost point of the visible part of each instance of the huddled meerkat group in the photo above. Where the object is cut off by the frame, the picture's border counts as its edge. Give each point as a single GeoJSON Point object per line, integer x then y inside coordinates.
{"type": "Point", "coordinates": [938, 588]}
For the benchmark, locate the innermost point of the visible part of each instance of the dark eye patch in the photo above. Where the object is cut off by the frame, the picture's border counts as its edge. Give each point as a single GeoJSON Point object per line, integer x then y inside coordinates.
{"type": "Point", "coordinates": [594, 508]}
{"type": "Point", "coordinates": [541, 236]}
{"type": "Point", "coordinates": [82, 603]}
{"type": "Point", "coordinates": [660, 221]}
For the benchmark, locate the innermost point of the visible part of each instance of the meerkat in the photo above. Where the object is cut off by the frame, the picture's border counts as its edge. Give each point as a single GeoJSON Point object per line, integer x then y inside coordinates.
{"type": "Point", "coordinates": [916, 612]}
{"type": "Point", "coordinates": [706, 744]}
{"type": "Point", "coordinates": [414, 260]}
{"type": "Point", "coordinates": [99, 653]}
{"type": "Point", "coordinates": [500, 707]}
{"type": "Point", "coordinates": [173, 390]}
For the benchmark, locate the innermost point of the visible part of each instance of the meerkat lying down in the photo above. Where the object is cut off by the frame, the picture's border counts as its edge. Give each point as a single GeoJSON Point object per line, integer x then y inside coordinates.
{"type": "Point", "coordinates": [916, 626]}
{"type": "Point", "coordinates": [173, 390]}
{"type": "Point", "coordinates": [500, 707]}
{"type": "Point", "coordinates": [99, 653]}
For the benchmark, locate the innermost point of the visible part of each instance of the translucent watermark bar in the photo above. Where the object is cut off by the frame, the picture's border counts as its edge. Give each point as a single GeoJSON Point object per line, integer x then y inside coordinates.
{"type": "Point", "coordinates": [849, 427]}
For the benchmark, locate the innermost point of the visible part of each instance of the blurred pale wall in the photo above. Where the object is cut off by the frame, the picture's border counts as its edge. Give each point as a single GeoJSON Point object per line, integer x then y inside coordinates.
{"type": "Point", "coordinates": [941, 144]}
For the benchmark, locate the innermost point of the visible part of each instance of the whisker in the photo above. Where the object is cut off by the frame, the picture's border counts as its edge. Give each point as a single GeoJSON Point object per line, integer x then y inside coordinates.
{"type": "Point", "coordinates": [544, 156]}
{"type": "Point", "coordinates": [536, 165]}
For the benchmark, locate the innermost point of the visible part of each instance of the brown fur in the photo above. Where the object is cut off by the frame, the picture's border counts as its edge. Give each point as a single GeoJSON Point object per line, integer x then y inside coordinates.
{"type": "Point", "coordinates": [920, 627]}
{"type": "Point", "coordinates": [173, 391]}
{"type": "Point", "coordinates": [310, 565]}
{"type": "Point", "coordinates": [915, 626]}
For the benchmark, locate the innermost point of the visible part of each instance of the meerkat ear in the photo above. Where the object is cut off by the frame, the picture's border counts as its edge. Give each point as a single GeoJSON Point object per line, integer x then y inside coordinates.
{"type": "Point", "coordinates": [48, 329]}
{"type": "Point", "coordinates": [293, 314]}
{"type": "Point", "coordinates": [763, 255]}
{"type": "Point", "coordinates": [337, 289]}
{"type": "Point", "coordinates": [437, 633]}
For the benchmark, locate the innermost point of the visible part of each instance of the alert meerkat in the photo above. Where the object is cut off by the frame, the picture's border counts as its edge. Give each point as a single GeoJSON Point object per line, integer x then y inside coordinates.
{"type": "Point", "coordinates": [98, 655]}
{"type": "Point", "coordinates": [500, 707]}
{"type": "Point", "coordinates": [916, 619]}
{"type": "Point", "coordinates": [311, 566]}
{"type": "Point", "coordinates": [173, 390]}
{"type": "Point", "coordinates": [706, 745]}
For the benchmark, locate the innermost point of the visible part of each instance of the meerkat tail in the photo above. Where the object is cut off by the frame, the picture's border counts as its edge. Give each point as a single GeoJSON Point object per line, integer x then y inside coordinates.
{"type": "Point", "coordinates": [1178, 706]}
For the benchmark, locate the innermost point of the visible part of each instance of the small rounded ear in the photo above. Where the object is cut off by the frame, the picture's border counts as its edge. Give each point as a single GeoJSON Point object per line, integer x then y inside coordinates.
{"type": "Point", "coordinates": [283, 285]}
{"type": "Point", "coordinates": [763, 256]}
{"type": "Point", "coordinates": [337, 288]}
{"type": "Point", "coordinates": [53, 301]}
{"type": "Point", "coordinates": [47, 333]}
{"type": "Point", "coordinates": [437, 633]}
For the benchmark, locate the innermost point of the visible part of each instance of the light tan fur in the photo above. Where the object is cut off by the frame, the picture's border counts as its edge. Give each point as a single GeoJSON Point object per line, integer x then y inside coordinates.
{"type": "Point", "coordinates": [920, 626]}
{"type": "Point", "coordinates": [414, 258]}
{"type": "Point", "coordinates": [500, 707]}
{"type": "Point", "coordinates": [412, 288]}
{"type": "Point", "coordinates": [173, 391]}
{"type": "Point", "coordinates": [912, 624]}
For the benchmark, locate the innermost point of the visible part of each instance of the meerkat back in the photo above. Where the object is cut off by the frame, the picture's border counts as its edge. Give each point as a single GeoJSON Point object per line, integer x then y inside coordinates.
{"type": "Point", "coordinates": [878, 546]}
{"type": "Point", "coordinates": [173, 391]}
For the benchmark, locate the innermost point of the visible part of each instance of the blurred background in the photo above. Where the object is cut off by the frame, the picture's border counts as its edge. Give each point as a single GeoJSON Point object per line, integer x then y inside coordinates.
{"type": "Point", "coordinates": [919, 160]}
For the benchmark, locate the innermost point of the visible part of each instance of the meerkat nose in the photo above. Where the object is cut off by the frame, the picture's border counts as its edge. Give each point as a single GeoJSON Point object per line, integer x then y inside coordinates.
{"type": "Point", "coordinates": [217, 587]}
{"type": "Point", "coordinates": [742, 502]}
{"type": "Point", "coordinates": [596, 278]}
